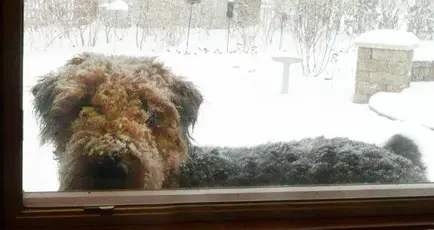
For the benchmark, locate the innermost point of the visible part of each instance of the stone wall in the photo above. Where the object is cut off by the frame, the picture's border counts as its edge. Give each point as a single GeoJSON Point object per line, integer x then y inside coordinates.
{"type": "Point", "coordinates": [422, 71]}
{"type": "Point", "coordinates": [381, 70]}
{"type": "Point", "coordinates": [383, 65]}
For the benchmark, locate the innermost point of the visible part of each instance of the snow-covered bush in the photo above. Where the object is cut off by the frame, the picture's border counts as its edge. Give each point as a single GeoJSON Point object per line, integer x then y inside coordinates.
{"type": "Point", "coordinates": [362, 16]}
{"type": "Point", "coordinates": [247, 22]}
{"type": "Point", "coordinates": [421, 20]}
{"type": "Point", "coordinates": [366, 15]}
{"type": "Point", "coordinates": [389, 14]}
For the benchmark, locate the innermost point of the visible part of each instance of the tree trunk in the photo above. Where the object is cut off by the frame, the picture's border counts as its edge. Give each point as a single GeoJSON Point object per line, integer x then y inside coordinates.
{"type": "Point", "coordinates": [189, 25]}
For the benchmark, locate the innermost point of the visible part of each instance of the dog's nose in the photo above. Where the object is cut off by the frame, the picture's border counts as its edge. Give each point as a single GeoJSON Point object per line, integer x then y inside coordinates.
{"type": "Point", "coordinates": [107, 172]}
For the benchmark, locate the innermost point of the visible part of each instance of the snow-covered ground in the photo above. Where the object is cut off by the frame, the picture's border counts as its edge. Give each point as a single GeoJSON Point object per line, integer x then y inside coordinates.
{"type": "Point", "coordinates": [412, 104]}
{"type": "Point", "coordinates": [243, 104]}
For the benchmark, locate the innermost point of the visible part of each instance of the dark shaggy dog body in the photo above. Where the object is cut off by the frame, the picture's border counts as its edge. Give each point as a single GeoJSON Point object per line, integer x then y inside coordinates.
{"type": "Point", "coordinates": [121, 122]}
{"type": "Point", "coordinates": [308, 161]}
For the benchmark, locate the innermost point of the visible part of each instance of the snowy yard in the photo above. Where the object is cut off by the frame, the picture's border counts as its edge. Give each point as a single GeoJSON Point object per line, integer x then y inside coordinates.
{"type": "Point", "coordinates": [243, 105]}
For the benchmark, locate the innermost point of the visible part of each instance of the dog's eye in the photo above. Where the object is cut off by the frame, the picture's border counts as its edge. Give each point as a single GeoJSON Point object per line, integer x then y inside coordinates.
{"type": "Point", "coordinates": [145, 105]}
{"type": "Point", "coordinates": [85, 102]}
{"type": "Point", "coordinates": [152, 118]}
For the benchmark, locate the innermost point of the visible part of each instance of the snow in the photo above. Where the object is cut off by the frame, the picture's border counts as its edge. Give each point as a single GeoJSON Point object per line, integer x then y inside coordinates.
{"type": "Point", "coordinates": [388, 39]}
{"type": "Point", "coordinates": [412, 104]}
{"type": "Point", "coordinates": [116, 5]}
{"type": "Point", "coordinates": [284, 57]}
{"type": "Point", "coordinates": [425, 51]}
{"type": "Point", "coordinates": [243, 105]}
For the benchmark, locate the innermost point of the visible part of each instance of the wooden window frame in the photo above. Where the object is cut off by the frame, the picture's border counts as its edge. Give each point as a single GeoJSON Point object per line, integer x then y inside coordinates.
{"type": "Point", "coordinates": [415, 212]}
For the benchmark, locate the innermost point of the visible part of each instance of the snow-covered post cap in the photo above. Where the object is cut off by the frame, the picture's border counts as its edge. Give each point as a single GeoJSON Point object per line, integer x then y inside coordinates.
{"type": "Point", "coordinates": [116, 5]}
{"type": "Point", "coordinates": [388, 39]}
{"type": "Point", "coordinates": [282, 56]}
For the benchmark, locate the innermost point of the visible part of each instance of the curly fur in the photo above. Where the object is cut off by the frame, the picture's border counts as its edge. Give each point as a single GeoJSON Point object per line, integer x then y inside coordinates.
{"type": "Point", "coordinates": [136, 111]}
{"type": "Point", "coordinates": [308, 161]}
{"type": "Point", "coordinates": [129, 108]}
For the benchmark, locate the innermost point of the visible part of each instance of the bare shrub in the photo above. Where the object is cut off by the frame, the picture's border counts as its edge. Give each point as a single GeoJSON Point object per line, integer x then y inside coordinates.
{"type": "Point", "coordinates": [247, 22]}
{"type": "Point", "coordinates": [140, 18]}
{"type": "Point", "coordinates": [84, 14]}
{"type": "Point", "coordinates": [314, 25]}
{"type": "Point", "coordinates": [170, 27]}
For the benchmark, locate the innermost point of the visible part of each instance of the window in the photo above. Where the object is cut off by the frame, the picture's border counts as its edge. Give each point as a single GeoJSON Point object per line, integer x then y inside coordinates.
{"type": "Point", "coordinates": [245, 96]}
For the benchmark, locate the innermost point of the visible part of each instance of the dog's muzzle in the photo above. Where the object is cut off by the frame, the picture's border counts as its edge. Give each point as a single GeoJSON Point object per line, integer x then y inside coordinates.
{"type": "Point", "coordinates": [107, 172]}
{"type": "Point", "coordinates": [111, 162]}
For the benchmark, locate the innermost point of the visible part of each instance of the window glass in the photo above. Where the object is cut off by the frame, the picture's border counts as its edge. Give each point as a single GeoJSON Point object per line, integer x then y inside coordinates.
{"type": "Point", "coordinates": [141, 94]}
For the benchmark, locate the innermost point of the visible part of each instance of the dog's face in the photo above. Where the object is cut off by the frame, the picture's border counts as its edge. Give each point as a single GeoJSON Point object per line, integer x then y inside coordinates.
{"type": "Point", "coordinates": [116, 122]}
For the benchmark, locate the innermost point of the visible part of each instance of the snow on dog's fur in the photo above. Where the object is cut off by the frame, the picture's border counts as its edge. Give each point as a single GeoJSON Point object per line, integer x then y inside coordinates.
{"type": "Point", "coordinates": [120, 122]}
{"type": "Point", "coordinates": [115, 121]}
{"type": "Point", "coordinates": [310, 161]}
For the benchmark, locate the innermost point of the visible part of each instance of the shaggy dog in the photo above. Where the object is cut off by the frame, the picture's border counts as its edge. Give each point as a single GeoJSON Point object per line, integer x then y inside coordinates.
{"type": "Point", "coordinates": [120, 122]}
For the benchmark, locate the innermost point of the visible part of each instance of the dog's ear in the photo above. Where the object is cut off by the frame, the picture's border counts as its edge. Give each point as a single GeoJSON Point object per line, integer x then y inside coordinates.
{"type": "Point", "coordinates": [44, 94]}
{"type": "Point", "coordinates": [406, 147]}
{"type": "Point", "coordinates": [43, 90]}
{"type": "Point", "coordinates": [187, 100]}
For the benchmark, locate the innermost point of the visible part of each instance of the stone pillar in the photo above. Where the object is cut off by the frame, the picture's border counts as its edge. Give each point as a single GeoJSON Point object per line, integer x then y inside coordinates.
{"type": "Point", "coordinates": [384, 63]}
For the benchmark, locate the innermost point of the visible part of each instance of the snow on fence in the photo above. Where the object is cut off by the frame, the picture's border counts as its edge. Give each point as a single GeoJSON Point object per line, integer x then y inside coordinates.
{"type": "Point", "coordinates": [422, 71]}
